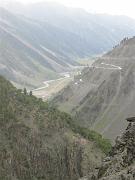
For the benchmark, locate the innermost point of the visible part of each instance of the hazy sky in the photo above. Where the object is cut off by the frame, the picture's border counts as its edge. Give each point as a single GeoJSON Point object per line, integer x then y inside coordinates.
{"type": "Point", "coordinates": [121, 7]}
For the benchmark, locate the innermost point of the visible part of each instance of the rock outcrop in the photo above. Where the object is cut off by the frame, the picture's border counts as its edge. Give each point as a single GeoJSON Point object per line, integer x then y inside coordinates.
{"type": "Point", "coordinates": [120, 164]}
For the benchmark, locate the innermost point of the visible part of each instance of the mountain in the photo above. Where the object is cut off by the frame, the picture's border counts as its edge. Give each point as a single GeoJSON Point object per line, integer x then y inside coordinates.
{"type": "Point", "coordinates": [96, 32]}
{"type": "Point", "coordinates": [31, 51]}
{"type": "Point", "coordinates": [120, 164]}
{"type": "Point", "coordinates": [104, 93]}
{"type": "Point", "coordinates": [41, 40]}
{"type": "Point", "coordinates": [39, 142]}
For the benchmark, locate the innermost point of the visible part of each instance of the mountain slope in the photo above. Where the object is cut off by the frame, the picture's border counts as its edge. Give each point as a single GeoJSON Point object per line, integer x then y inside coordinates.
{"type": "Point", "coordinates": [97, 32]}
{"type": "Point", "coordinates": [41, 40]}
{"type": "Point", "coordinates": [27, 53]}
{"type": "Point", "coordinates": [39, 142]}
{"type": "Point", "coordinates": [105, 92]}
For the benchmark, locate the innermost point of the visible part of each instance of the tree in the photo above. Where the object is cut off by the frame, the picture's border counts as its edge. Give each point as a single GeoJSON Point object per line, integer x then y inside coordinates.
{"type": "Point", "coordinates": [31, 93]}
{"type": "Point", "coordinates": [25, 91]}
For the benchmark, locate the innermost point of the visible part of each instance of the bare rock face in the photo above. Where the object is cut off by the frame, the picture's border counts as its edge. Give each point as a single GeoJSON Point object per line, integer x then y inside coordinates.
{"type": "Point", "coordinates": [120, 164]}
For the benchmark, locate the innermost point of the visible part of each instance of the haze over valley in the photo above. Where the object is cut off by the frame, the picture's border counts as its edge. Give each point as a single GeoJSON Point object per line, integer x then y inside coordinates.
{"type": "Point", "coordinates": [48, 39]}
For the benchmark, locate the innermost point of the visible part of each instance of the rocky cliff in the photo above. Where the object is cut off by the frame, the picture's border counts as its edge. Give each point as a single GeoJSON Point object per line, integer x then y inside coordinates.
{"type": "Point", "coordinates": [120, 164]}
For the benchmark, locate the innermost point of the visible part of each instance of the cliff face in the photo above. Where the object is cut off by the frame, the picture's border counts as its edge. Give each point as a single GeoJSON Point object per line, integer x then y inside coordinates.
{"type": "Point", "coordinates": [120, 164]}
{"type": "Point", "coordinates": [37, 142]}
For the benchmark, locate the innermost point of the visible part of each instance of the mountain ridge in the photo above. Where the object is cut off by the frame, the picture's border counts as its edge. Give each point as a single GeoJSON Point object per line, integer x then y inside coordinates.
{"type": "Point", "coordinates": [43, 48]}
{"type": "Point", "coordinates": [105, 92]}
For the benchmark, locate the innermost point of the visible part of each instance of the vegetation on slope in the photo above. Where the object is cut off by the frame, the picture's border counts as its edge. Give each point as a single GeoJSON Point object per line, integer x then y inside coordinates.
{"type": "Point", "coordinates": [103, 144]}
{"type": "Point", "coordinates": [39, 142]}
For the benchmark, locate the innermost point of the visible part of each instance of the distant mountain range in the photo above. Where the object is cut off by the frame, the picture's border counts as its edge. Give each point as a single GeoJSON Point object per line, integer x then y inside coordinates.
{"type": "Point", "coordinates": [99, 32]}
{"type": "Point", "coordinates": [40, 40]}
{"type": "Point", "coordinates": [104, 94]}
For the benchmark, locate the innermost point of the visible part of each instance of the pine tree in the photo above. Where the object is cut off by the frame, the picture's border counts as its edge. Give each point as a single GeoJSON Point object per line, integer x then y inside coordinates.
{"type": "Point", "coordinates": [25, 91]}
{"type": "Point", "coordinates": [31, 93]}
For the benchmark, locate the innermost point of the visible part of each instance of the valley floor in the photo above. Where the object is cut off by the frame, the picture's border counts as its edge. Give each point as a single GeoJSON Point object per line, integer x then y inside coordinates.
{"type": "Point", "coordinates": [50, 88]}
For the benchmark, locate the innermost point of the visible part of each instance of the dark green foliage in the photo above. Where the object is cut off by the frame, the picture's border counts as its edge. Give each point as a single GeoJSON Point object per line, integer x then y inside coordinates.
{"type": "Point", "coordinates": [25, 91]}
{"type": "Point", "coordinates": [103, 144]}
{"type": "Point", "coordinates": [37, 140]}
{"type": "Point", "coordinates": [32, 102]}
{"type": "Point", "coordinates": [31, 93]}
